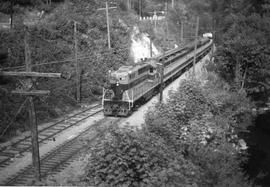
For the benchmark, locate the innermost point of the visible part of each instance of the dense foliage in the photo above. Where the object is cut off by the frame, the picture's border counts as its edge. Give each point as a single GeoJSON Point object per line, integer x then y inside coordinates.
{"type": "Point", "coordinates": [127, 157]}
{"type": "Point", "coordinates": [241, 33]}
{"type": "Point", "coordinates": [244, 54]}
{"type": "Point", "coordinates": [191, 140]}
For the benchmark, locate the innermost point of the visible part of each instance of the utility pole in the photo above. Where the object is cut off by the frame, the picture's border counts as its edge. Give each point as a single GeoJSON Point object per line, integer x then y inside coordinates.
{"type": "Point", "coordinates": [166, 20]}
{"type": "Point", "coordinates": [173, 4]}
{"type": "Point", "coordinates": [151, 52]}
{"type": "Point", "coordinates": [128, 4]}
{"type": "Point", "coordinates": [182, 31]}
{"type": "Point", "coordinates": [161, 81]}
{"type": "Point", "coordinates": [155, 19]}
{"type": "Point", "coordinates": [108, 25]}
{"type": "Point", "coordinates": [108, 22]}
{"type": "Point", "coordinates": [27, 79]}
{"type": "Point", "coordinates": [195, 47]}
{"type": "Point", "coordinates": [11, 13]}
{"type": "Point", "coordinates": [140, 8]}
{"type": "Point", "coordinates": [32, 112]}
{"type": "Point", "coordinates": [78, 71]}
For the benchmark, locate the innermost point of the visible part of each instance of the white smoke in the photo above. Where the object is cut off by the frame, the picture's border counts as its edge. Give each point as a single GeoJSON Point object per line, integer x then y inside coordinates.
{"type": "Point", "coordinates": [140, 46]}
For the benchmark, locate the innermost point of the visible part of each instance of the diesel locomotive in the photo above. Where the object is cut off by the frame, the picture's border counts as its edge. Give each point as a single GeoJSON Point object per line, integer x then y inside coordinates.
{"type": "Point", "coordinates": [131, 84]}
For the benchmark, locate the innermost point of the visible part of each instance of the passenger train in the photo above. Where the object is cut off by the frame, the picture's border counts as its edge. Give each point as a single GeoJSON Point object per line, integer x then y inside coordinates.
{"type": "Point", "coordinates": [132, 84]}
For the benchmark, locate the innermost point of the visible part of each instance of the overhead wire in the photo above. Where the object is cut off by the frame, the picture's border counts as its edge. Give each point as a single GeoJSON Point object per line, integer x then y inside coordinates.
{"type": "Point", "coordinates": [10, 68]}
{"type": "Point", "coordinates": [53, 62]}
{"type": "Point", "coordinates": [15, 117]}
{"type": "Point", "coordinates": [46, 63]}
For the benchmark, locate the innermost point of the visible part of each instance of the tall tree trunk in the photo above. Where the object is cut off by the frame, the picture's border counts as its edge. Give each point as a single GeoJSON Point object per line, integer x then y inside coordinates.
{"type": "Point", "coordinates": [244, 78]}
{"type": "Point", "coordinates": [237, 74]}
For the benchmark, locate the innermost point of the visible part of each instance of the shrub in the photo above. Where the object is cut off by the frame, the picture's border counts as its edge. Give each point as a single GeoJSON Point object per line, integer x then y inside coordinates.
{"type": "Point", "coordinates": [126, 157]}
{"type": "Point", "coordinates": [199, 122]}
{"type": "Point", "coordinates": [172, 119]}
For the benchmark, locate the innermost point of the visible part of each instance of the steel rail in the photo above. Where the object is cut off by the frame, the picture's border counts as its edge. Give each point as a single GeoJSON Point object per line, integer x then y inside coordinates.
{"type": "Point", "coordinates": [53, 130]}
{"type": "Point", "coordinates": [58, 159]}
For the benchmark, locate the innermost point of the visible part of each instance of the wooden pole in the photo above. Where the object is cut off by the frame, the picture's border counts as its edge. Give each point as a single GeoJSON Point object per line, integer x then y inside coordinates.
{"type": "Point", "coordinates": [28, 76]}
{"type": "Point", "coordinates": [173, 4]}
{"type": "Point", "coordinates": [166, 19]}
{"type": "Point", "coordinates": [128, 4]}
{"type": "Point", "coordinates": [195, 46]}
{"type": "Point", "coordinates": [155, 21]}
{"type": "Point", "coordinates": [32, 114]}
{"type": "Point", "coordinates": [78, 76]}
{"type": "Point", "coordinates": [161, 83]}
{"type": "Point", "coordinates": [140, 8]}
{"type": "Point", "coordinates": [34, 135]}
{"type": "Point", "coordinates": [27, 55]}
{"type": "Point", "coordinates": [108, 22]}
{"type": "Point", "coordinates": [151, 52]}
{"type": "Point", "coordinates": [11, 13]}
{"type": "Point", "coordinates": [108, 25]}
{"type": "Point", "coordinates": [182, 31]}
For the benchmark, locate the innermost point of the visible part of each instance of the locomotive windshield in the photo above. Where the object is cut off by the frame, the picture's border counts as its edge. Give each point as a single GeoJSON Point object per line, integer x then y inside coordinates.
{"type": "Point", "coordinates": [121, 76]}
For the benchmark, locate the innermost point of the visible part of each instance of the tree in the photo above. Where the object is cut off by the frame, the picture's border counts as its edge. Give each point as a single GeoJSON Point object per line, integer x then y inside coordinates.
{"type": "Point", "coordinates": [240, 32]}
{"type": "Point", "coordinates": [243, 56]}
{"type": "Point", "coordinates": [12, 6]}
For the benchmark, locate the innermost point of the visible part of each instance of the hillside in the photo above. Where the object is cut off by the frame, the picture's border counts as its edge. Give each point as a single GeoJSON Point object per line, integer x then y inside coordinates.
{"type": "Point", "coordinates": [50, 37]}
{"type": "Point", "coordinates": [196, 138]}
{"type": "Point", "coordinates": [51, 41]}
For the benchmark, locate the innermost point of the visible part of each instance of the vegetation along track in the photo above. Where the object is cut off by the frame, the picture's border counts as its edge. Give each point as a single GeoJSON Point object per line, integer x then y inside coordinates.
{"type": "Point", "coordinates": [21, 146]}
{"type": "Point", "coordinates": [57, 159]}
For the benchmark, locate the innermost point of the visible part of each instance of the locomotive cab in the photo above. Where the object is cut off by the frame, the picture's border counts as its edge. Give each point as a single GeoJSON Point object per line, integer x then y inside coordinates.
{"type": "Point", "coordinates": [153, 72]}
{"type": "Point", "coordinates": [115, 100]}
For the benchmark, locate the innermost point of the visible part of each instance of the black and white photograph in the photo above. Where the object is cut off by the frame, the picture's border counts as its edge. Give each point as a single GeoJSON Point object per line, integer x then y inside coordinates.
{"type": "Point", "coordinates": [135, 93]}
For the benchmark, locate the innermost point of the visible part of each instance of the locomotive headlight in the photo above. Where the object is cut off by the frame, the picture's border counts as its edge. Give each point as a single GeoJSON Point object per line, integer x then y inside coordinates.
{"type": "Point", "coordinates": [117, 83]}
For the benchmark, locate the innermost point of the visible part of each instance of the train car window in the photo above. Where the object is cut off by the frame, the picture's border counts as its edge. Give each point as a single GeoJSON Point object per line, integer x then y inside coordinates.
{"type": "Point", "coordinates": [142, 70]}
{"type": "Point", "coordinates": [151, 70]}
{"type": "Point", "coordinates": [131, 76]}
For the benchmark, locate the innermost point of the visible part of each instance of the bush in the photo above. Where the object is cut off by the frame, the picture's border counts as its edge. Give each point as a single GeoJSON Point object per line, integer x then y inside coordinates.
{"type": "Point", "coordinates": [172, 119]}
{"type": "Point", "coordinates": [219, 165]}
{"type": "Point", "coordinates": [200, 123]}
{"type": "Point", "coordinates": [136, 158]}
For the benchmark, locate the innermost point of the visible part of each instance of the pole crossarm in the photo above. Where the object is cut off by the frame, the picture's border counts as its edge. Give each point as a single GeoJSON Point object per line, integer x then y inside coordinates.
{"type": "Point", "coordinates": [31, 93]}
{"type": "Point", "coordinates": [30, 74]}
{"type": "Point", "coordinates": [108, 22]}
{"type": "Point", "coordinates": [108, 8]}
{"type": "Point", "coordinates": [27, 79]}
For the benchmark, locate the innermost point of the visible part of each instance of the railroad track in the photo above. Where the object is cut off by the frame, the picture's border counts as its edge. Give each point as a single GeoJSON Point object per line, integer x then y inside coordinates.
{"type": "Point", "coordinates": [59, 158]}
{"type": "Point", "coordinates": [21, 146]}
